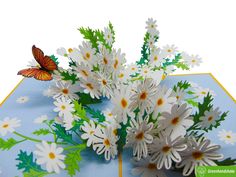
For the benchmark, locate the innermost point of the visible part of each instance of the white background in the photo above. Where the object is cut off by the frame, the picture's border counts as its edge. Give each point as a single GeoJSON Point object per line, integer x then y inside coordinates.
{"type": "Point", "coordinates": [203, 27]}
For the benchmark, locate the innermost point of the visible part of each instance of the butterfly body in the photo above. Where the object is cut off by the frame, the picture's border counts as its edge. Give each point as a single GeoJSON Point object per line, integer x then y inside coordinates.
{"type": "Point", "coordinates": [43, 71]}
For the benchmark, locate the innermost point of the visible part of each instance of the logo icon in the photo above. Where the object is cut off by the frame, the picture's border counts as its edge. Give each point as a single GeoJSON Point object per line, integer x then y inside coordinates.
{"type": "Point", "coordinates": [200, 171]}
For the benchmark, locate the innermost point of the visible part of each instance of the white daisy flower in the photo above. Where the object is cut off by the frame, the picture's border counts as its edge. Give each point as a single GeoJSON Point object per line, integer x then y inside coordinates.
{"type": "Point", "coordinates": [106, 143]}
{"type": "Point", "coordinates": [105, 84]}
{"type": "Point", "coordinates": [164, 150]}
{"type": "Point", "coordinates": [88, 54]}
{"type": "Point", "coordinates": [82, 70]}
{"type": "Point", "coordinates": [202, 92]}
{"type": "Point", "coordinates": [177, 121]}
{"type": "Point", "coordinates": [108, 36]}
{"type": "Point", "coordinates": [227, 136]}
{"type": "Point", "coordinates": [57, 74]}
{"type": "Point", "coordinates": [191, 60]}
{"type": "Point", "coordinates": [169, 50]}
{"type": "Point", "coordinates": [121, 101]}
{"type": "Point", "coordinates": [105, 58]}
{"type": "Point", "coordinates": [91, 132]}
{"type": "Point", "coordinates": [118, 61]}
{"type": "Point", "coordinates": [68, 120]}
{"type": "Point", "coordinates": [75, 55]}
{"type": "Point", "coordinates": [111, 120]}
{"type": "Point", "coordinates": [156, 58]}
{"type": "Point", "coordinates": [169, 69]}
{"type": "Point", "coordinates": [123, 76]}
{"type": "Point", "coordinates": [151, 27]}
{"type": "Point", "coordinates": [8, 125]}
{"type": "Point", "coordinates": [63, 107]}
{"type": "Point", "coordinates": [143, 96]}
{"type": "Point", "coordinates": [151, 42]}
{"type": "Point", "coordinates": [179, 94]}
{"type": "Point", "coordinates": [199, 153]}
{"type": "Point", "coordinates": [156, 76]}
{"type": "Point", "coordinates": [62, 51]}
{"type": "Point", "coordinates": [64, 90]}
{"type": "Point", "coordinates": [139, 136]}
{"type": "Point", "coordinates": [91, 86]}
{"type": "Point", "coordinates": [144, 168]}
{"type": "Point", "coordinates": [51, 156]}
{"type": "Point", "coordinates": [22, 99]}
{"type": "Point", "coordinates": [163, 100]}
{"type": "Point", "coordinates": [41, 119]}
{"type": "Point", "coordinates": [209, 118]}
{"type": "Point", "coordinates": [146, 71]}
{"type": "Point", "coordinates": [132, 69]}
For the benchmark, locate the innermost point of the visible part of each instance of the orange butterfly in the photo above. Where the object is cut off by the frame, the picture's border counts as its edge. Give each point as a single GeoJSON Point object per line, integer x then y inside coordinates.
{"type": "Point", "coordinates": [46, 66]}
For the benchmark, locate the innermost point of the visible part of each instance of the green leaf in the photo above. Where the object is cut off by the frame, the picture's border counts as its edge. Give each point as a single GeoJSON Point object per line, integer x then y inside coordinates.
{"type": "Point", "coordinates": [112, 32]}
{"type": "Point", "coordinates": [172, 62]}
{"type": "Point", "coordinates": [66, 75]}
{"type": "Point", "coordinates": [80, 111]}
{"type": "Point", "coordinates": [145, 51]}
{"type": "Point", "coordinates": [218, 122]}
{"type": "Point", "coordinates": [192, 102]}
{"type": "Point", "coordinates": [122, 135]}
{"type": "Point", "coordinates": [7, 144]}
{"type": "Point", "coordinates": [27, 162]}
{"type": "Point", "coordinates": [85, 99]}
{"type": "Point", "coordinates": [63, 134]}
{"type": "Point", "coordinates": [90, 35]}
{"type": "Point", "coordinates": [226, 162]}
{"type": "Point", "coordinates": [55, 59]}
{"type": "Point", "coordinates": [182, 85]}
{"type": "Point", "coordinates": [101, 39]}
{"type": "Point", "coordinates": [182, 66]}
{"type": "Point", "coordinates": [73, 158]}
{"type": "Point", "coordinates": [41, 131]}
{"type": "Point", "coordinates": [97, 114]}
{"type": "Point", "coordinates": [34, 173]}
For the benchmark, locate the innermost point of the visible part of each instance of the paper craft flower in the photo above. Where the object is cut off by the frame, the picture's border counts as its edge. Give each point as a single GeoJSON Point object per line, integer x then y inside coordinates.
{"type": "Point", "coordinates": [22, 99]}
{"type": "Point", "coordinates": [106, 105]}
{"type": "Point", "coordinates": [8, 125]}
{"type": "Point", "coordinates": [51, 156]}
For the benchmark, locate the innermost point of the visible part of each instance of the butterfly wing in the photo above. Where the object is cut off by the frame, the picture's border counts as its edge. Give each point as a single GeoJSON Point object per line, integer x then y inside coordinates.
{"type": "Point", "coordinates": [45, 61]}
{"type": "Point", "coordinates": [37, 73]}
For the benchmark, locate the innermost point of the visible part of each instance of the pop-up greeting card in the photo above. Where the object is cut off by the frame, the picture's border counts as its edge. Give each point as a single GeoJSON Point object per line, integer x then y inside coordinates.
{"type": "Point", "coordinates": [106, 118]}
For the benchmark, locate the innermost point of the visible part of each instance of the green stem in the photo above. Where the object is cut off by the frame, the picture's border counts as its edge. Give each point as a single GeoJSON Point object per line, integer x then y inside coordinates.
{"type": "Point", "coordinates": [75, 147]}
{"type": "Point", "coordinates": [33, 139]}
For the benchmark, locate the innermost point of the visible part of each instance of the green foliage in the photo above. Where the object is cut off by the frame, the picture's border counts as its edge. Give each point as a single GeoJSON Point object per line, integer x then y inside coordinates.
{"type": "Point", "coordinates": [67, 76]}
{"type": "Point", "coordinates": [176, 62]}
{"type": "Point", "coordinates": [192, 102]}
{"type": "Point", "coordinates": [90, 35]}
{"type": "Point", "coordinates": [182, 85]}
{"type": "Point", "coordinates": [72, 159]}
{"type": "Point", "coordinates": [182, 66]}
{"type": "Point", "coordinates": [80, 111]}
{"type": "Point", "coordinates": [55, 59]}
{"type": "Point", "coordinates": [145, 51]}
{"type": "Point", "coordinates": [112, 31]}
{"type": "Point", "coordinates": [27, 162]}
{"type": "Point", "coordinates": [226, 162]}
{"type": "Point", "coordinates": [85, 99]}
{"type": "Point", "coordinates": [218, 122]}
{"type": "Point", "coordinates": [97, 114]}
{"type": "Point", "coordinates": [63, 134]}
{"type": "Point", "coordinates": [7, 144]}
{"type": "Point", "coordinates": [122, 136]}
{"type": "Point", "coordinates": [34, 173]}
{"type": "Point", "coordinates": [41, 131]}
{"type": "Point", "coordinates": [101, 39]}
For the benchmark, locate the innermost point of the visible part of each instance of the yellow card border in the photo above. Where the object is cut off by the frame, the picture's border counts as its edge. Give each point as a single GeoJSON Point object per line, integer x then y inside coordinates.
{"type": "Point", "coordinates": [120, 172]}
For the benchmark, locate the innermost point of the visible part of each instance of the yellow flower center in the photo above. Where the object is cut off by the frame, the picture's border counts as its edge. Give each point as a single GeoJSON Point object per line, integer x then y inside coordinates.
{"type": "Point", "coordinates": [139, 136]}
{"type": "Point", "coordinates": [145, 71]}
{"type": "Point", "coordinates": [197, 155]}
{"type": "Point", "coordinates": [228, 136]}
{"type": "Point", "coordinates": [169, 50]}
{"type": "Point", "coordinates": [110, 114]}
{"type": "Point", "coordinates": [90, 86]}
{"type": "Point", "coordinates": [133, 69]}
{"type": "Point", "coordinates": [104, 82]}
{"type": "Point", "coordinates": [65, 91]}
{"type": "Point", "coordinates": [5, 126]}
{"type": "Point", "coordinates": [143, 95]}
{"type": "Point", "coordinates": [163, 76]}
{"type": "Point", "coordinates": [210, 118]}
{"type": "Point", "coordinates": [84, 73]}
{"type": "Point", "coordinates": [177, 97]}
{"type": "Point", "coordinates": [160, 102]}
{"type": "Point", "coordinates": [155, 58]}
{"type": "Point", "coordinates": [193, 61]}
{"type": "Point", "coordinates": [115, 132]}
{"type": "Point", "coordinates": [175, 121]}
{"type": "Point", "coordinates": [52, 155]}
{"type": "Point", "coordinates": [124, 103]}
{"type": "Point", "coordinates": [121, 75]}
{"type": "Point", "coordinates": [107, 142]}
{"type": "Point", "coordinates": [152, 166]}
{"type": "Point", "coordinates": [105, 60]}
{"type": "Point", "coordinates": [87, 55]}
{"type": "Point", "coordinates": [166, 149]}
{"type": "Point", "coordinates": [91, 132]}
{"type": "Point", "coordinates": [204, 93]}
{"type": "Point", "coordinates": [63, 107]}
{"type": "Point", "coordinates": [70, 50]}
{"type": "Point", "coordinates": [116, 63]}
